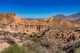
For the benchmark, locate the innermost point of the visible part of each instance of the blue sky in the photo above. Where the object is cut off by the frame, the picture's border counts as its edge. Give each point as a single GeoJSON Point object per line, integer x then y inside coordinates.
{"type": "Point", "coordinates": [40, 8]}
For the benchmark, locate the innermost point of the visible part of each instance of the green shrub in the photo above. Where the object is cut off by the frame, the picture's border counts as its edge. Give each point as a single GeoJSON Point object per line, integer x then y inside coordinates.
{"type": "Point", "coordinates": [77, 45]}
{"type": "Point", "coordinates": [14, 49]}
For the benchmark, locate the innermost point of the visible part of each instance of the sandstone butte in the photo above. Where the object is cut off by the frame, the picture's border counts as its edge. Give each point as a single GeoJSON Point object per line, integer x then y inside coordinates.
{"type": "Point", "coordinates": [13, 23]}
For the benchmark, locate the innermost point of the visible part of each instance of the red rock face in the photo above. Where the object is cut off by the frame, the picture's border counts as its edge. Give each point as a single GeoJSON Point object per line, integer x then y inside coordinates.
{"type": "Point", "coordinates": [30, 25]}
{"type": "Point", "coordinates": [6, 18]}
{"type": "Point", "coordinates": [14, 23]}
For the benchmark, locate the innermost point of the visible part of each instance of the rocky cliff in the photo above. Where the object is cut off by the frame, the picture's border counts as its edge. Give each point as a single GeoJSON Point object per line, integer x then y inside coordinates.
{"type": "Point", "coordinates": [10, 21]}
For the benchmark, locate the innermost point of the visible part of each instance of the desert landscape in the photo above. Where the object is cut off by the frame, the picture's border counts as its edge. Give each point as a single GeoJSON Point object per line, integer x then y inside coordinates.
{"type": "Point", "coordinates": [55, 34]}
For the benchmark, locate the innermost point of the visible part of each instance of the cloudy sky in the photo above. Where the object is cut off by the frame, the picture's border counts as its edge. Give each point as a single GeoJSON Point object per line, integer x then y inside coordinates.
{"type": "Point", "coordinates": [40, 8]}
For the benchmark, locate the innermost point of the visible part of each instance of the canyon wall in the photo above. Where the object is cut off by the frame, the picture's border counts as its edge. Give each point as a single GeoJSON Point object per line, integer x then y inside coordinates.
{"type": "Point", "coordinates": [13, 23]}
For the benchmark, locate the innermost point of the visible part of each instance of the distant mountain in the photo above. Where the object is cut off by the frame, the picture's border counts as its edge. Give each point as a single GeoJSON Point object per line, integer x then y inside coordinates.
{"type": "Point", "coordinates": [60, 15]}
{"type": "Point", "coordinates": [75, 15]}
{"type": "Point", "coordinates": [72, 17]}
